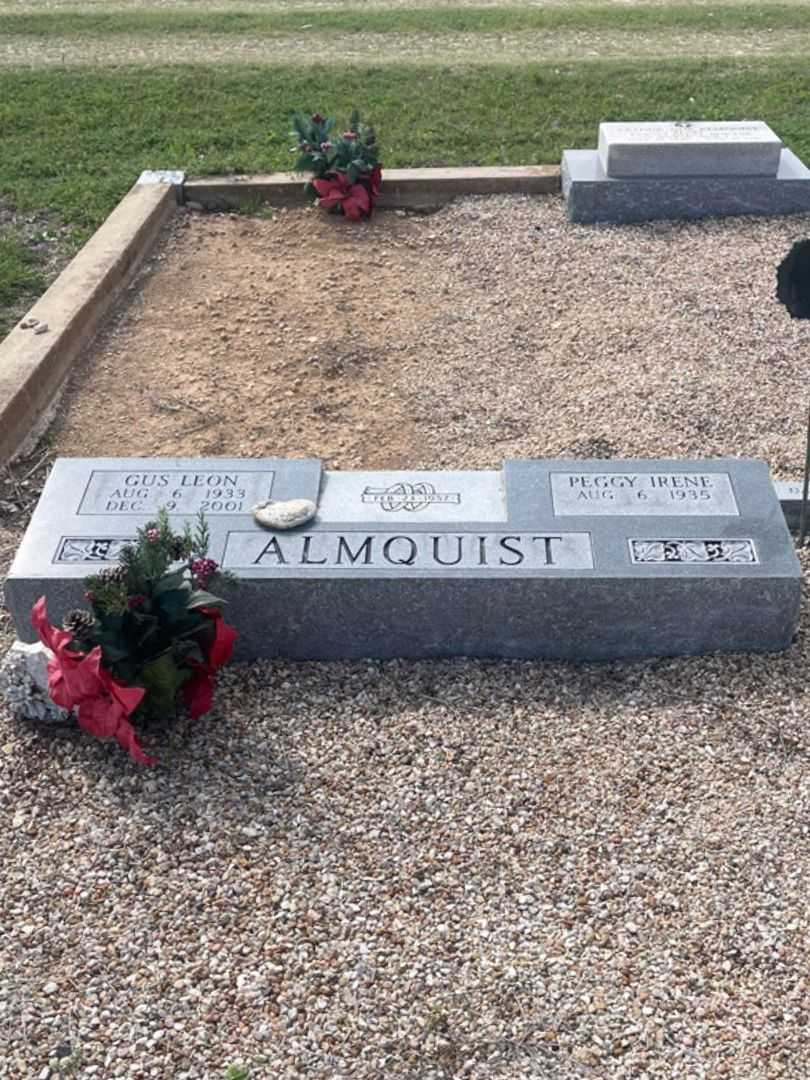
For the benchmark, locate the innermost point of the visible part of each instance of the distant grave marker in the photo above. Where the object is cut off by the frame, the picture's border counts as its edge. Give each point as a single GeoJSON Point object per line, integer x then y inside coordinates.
{"type": "Point", "coordinates": [684, 169]}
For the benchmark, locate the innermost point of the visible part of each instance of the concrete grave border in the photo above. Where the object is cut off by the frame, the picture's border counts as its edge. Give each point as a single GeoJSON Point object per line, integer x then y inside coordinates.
{"type": "Point", "coordinates": [35, 367]}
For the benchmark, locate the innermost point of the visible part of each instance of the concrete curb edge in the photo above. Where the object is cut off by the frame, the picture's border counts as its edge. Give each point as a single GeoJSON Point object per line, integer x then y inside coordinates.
{"type": "Point", "coordinates": [35, 366]}
{"type": "Point", "coordinates": [403, 189]}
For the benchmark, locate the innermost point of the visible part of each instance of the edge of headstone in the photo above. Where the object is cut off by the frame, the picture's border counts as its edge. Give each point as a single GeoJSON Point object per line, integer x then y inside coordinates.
{"type": "Point", "coordinates": [35, 366]}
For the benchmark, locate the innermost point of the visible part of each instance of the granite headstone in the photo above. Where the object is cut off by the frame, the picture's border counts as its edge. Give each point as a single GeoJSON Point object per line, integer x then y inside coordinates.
{"type": "Point", "coordinates": [644, 171]}
{"type": "Point", "coordinates": [573, 560]}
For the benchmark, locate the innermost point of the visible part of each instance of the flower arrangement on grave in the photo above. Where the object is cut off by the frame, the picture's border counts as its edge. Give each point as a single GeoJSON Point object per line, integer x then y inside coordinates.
{"type": "Point", "coordinates": [151, 643]}
{"type": "Point", "coordinates": [346, 172]}
{"type": "Point", "coordinates": [793, 290]}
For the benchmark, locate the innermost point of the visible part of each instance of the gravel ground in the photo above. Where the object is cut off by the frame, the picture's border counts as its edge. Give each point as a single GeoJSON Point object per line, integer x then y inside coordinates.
{"type": "Point", "coordinates": [455, 869]}
{"type": "Point", "coordinates": [20, 51]}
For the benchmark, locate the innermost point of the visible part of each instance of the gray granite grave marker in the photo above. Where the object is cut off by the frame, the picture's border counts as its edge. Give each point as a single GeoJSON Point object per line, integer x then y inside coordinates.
{"type": "Point", "coordinates": [574, 560]}
{"type": "Point", "coordinates": [700, 148]}
{"type": "Point", "coordinates": [644, 171]}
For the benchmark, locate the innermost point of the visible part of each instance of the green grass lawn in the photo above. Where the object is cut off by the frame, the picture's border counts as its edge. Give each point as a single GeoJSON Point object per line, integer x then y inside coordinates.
{"type": "Point", "coordinates": [74, 139]}
{"type": "Point", "coordinates": [403, 20]}
{"type": "Point", "coordinates": [19, 277]}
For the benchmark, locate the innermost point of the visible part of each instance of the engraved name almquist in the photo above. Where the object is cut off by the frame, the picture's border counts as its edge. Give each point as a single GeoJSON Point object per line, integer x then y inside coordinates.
{"type": "Point", "coordinates": [436, 551]}
{"type": "Point", "coordinates": [408, 496]}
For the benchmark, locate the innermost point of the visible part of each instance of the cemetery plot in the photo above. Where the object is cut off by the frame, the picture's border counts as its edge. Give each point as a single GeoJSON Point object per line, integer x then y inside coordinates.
{"type": "Point", "coordinates": [335, 804]}
{"type": "Point", "coordinates": [401, 349]}
{"type": "Point", "coordinates": [490, 329]}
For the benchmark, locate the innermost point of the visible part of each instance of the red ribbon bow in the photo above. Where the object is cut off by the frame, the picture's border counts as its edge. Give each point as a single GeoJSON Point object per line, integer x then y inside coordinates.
{"type": "Point", "coordinates": [78, 681]}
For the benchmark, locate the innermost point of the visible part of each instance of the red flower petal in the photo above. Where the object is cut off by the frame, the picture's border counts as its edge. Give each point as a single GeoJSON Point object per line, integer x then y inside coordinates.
{"type": "Point", "coordinates": [222, 649]}
{"type": "Point", "coordinates": [351, 209]}
{"type": "Point", "coordinates": [49, 635]}
{"type": "Point", "coordinates": [325, 187]}
{"type": "Point", "coordinates": [332, 186]}
{"type": "Point", "coordinates": [224, 637]}
{"type": "Point", "coordinates": [360, 193]}
{"type": "Point", "coordinates": [128, 697]}
{"type": "Point", "coordinates": [198, 692]}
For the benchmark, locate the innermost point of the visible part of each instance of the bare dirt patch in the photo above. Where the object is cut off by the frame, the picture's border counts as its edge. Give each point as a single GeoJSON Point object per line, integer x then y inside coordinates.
{"type": "Point", "coordinates": [492, 328]}
{"type": "Point", "coordinates": [412, 48]}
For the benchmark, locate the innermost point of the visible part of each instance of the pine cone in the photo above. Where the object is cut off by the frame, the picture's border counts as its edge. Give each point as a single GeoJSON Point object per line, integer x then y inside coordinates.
{"type": "Point", "coordinates": [178, 548]}
{"type": "Point", "coordinates": [114, 574]}
{"type": "Point", "coordinates": [78, 622]}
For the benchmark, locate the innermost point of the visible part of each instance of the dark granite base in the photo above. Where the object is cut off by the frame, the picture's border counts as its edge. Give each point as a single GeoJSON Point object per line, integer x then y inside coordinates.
{"type": "Point", "coordinates": [591, 196]}
{"type": "Point", "coordinates": [565, 617]}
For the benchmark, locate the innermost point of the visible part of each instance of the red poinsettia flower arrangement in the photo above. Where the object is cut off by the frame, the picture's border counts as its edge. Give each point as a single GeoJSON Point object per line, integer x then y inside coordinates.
{"type": "Point", "coordinates": [346, 172]}
{"type": "Point", "coordinates": [155, 637]}
{"type": "Point", "coordinates": [355, 200]}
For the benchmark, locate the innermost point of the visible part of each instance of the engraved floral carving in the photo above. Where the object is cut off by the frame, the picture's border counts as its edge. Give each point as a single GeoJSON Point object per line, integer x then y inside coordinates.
{"type": "Point", "coordinates": [693, 551]}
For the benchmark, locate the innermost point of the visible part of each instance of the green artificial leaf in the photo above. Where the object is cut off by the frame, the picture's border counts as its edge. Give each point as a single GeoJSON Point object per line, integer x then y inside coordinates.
{"type": "Point", "coordinates": [352, 173]}
{"type": "Point", "coordinates": [141, 618]}
{"type": "Point", "coordinates": [172, 604]}
{"type": "Point", "coordinates": [174, 580]}
{"type": "Point", "coordinates": [162, 679]}
{"type": "Point", "coordinates": [192, 624]}
{"type": "Point", "coordinates": [111, 621]}
{"type": "Point", "coordinates": [200, 598]}
{"type": "Point", "coordinates": [189, 650]}
{"type": "Point", "coordinates": [147, 627]}
{"type": "Point", "coordinates": [112, 652]}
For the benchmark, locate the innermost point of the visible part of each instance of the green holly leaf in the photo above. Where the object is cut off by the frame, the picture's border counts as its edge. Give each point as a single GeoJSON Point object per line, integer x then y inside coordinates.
{"type": "Point", "coordinates": [174, 580]}
{"type": "Point", "coordinates": [162, 679]}
{"type": "Point", "coordinates": [200, 598]}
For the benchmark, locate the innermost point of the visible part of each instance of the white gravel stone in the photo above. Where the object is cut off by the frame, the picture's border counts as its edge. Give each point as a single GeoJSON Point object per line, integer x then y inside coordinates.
{"type": "Point", "coordinates": [284, 513]}
{"type": "Point", "coordinates": [432, 870]}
